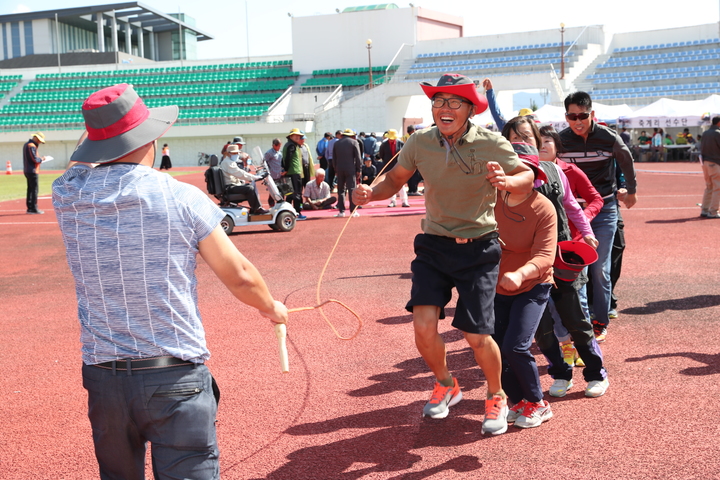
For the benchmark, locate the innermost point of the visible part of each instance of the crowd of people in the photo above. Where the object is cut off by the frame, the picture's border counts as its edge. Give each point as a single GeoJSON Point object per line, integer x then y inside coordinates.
{"type": "Point", "coordinates": [519, 224]}
{"type": "Point", "coordinates": [345, 160]}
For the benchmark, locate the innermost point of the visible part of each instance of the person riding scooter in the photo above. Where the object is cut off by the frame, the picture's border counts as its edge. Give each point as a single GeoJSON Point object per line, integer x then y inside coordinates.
{"type": "Point", "coordinates": [239, 181]}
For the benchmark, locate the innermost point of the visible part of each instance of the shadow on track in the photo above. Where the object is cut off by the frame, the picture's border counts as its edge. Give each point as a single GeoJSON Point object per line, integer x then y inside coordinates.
{"type": "Point", "coordinates": [712, 362]}
{"type": "Point", "coordinates": [413, 376]}
{"type": "Point", "coordinates": [677, 220]}
{"type": "Point", "coordinates": [385, 450]}
{"type": "Point", "coordinates": [688, 303]}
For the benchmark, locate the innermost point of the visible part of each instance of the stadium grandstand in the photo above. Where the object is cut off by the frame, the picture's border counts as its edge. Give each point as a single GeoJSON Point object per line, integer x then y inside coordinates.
{"type": "Point", "coordinates": [368, 79]}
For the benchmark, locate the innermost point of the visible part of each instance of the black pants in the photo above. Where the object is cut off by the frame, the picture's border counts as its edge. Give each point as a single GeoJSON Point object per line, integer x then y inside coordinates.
{"type": "Point", "coordinates": [567, 303]}
{"type": "Point", "coordinates": [414, 182]}
{"type": "Point", "coordinates": [32, 191]}
{"type": "Point", "coordinates": [297, 191]}
{"type": "Point", "coordinates": [345, 182]}
{"type": "Point", "coordinates": [330, 176]}
{"type": "Point", "coordinates": [616, 257]}
{"type": "Point", "coordinates": [165, 163]}
{"type": "Point", "coordinates": [248, 193]}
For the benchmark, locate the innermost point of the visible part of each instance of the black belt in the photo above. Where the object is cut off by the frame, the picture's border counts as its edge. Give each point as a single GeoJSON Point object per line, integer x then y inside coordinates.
{"type": "Point", "coordinates": [131, 364]}
{"type": "Point", "coordinates": [482, 238]}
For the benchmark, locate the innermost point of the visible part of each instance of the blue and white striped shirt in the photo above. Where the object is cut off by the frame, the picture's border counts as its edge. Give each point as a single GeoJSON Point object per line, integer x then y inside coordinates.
{"type": "Point", "coordinates": [131, 235]}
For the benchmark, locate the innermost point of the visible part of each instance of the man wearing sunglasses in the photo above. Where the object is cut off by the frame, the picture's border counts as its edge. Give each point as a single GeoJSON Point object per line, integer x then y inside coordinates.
{"type": "Point", "coordinates": [595, 149]}
{"type": "Point", "coordinates": [462, 165]}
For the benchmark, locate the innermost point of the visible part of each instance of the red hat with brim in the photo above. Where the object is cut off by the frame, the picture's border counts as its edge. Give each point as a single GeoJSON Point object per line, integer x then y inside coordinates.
{"type": "Point", "coordinates": [571, 258]}
{"type": "Point", "coordinates": [118, 123]}
{"type": "Point", "coordinates": [459, 85]}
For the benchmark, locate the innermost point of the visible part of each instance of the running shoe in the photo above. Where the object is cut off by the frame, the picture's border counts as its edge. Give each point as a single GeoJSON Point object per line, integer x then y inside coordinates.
{"type": "Point", "coordinates": [579, 361]}
{"type": "Point", "coordinates": [560, 387]}
{"type": "Point", "coordinates": [612, 314]}
{"type": "Point", "coordinates": [597, 388]}
{"type": "Point", "coordinates": [496, 412]}
{"type": "Point", "coordinates": [392, 205]}
{"type": "Point", "coordinates": [340, 215]}
{"type": "Point", "coordinates": [600, 333]}
{"type": "Point", "coordinates": [534, 414]}
{"type": "Point", "coordinates": [355, 214]}
{"type": "Point", "coordinates": [569, 353]}
{"type": "Point", "coordinates": [516, 411]}
{"type": "Point", "coordinates": [442, 399]}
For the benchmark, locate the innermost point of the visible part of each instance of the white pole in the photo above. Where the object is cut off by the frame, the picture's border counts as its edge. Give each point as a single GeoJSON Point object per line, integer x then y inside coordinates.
{"type": "Point", "coordinates": [180, 53]}
{"type": "Point", "coordinates": [247, 30]}
{"type": "Point", "coordinates": [57, 40]}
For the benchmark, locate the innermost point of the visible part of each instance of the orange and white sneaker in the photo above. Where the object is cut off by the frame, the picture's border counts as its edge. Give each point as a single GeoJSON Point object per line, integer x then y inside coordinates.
{"type": "Point", "coordinates": [442, 399]}
{"type": "Point", "coordinates": [496, 412]}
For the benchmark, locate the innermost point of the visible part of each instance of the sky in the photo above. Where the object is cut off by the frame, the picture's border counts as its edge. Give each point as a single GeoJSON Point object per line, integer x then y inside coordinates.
{"type": "Point", "coordinates": [269, 25]}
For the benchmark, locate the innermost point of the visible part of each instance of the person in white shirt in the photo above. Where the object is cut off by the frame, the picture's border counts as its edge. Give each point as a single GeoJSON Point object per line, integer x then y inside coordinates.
{"type": "Point", "coordinates": [239, 181]}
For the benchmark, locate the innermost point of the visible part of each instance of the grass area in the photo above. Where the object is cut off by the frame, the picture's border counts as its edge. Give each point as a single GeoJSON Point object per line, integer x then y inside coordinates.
{"type": "Point", "coordinates": [13, 187]}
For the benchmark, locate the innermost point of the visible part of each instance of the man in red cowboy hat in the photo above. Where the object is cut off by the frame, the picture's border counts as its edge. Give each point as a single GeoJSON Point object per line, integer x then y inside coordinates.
{"type": "Point", "coordinates": [132, 235]}
{"type": "Point", "coordinates": [462, 165]}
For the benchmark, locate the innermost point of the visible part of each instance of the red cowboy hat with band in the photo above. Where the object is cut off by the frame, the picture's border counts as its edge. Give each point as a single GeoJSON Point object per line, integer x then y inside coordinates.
{"type": "Point", "coordinates": [459, 85]}
{"type": "Point", "coordinates": [118, 122]}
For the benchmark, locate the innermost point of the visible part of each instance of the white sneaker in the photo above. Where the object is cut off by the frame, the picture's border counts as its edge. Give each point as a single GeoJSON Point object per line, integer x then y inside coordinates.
{"type": "Point", "coordinates": [597, 388]}
{"type": "Point", "coordinates": [341, 214]}
{"type": "Point", "coordinates": [406, 205]}
{"type": "Point", "coordinates": [560, 387]}
{"type": "Point", "coordinates": [534, 414]}
{"type": "Point", "coordinates": [355, 214]}
{"type": "Point", "coordinates": [516, 411]}
{"type": "Point", "coordinates": [392, 205]}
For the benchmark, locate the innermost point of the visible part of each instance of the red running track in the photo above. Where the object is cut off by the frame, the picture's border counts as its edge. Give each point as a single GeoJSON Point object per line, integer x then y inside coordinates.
{"type": "Point", "coordinates": [351, 410]}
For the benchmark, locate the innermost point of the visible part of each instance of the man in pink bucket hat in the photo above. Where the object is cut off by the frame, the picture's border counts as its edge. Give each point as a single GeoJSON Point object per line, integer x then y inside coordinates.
{"type": "Point", "coordinates": [132, 235]}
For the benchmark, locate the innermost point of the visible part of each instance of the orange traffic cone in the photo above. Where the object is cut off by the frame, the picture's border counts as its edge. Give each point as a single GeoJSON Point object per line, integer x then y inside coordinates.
{"type": "Point", "coordinates": [8, 168]}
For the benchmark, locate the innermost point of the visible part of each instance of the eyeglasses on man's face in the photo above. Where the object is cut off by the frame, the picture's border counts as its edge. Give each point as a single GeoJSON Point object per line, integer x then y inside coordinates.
{"type": "Point", "coordinates": [577, 116]}
{"type": "Point", "coordinates": [454, 103]}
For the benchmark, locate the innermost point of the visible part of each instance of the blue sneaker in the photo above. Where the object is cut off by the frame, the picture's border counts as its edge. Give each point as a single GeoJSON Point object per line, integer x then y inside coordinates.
{"type": "Point", "coordinates": [301, 217]}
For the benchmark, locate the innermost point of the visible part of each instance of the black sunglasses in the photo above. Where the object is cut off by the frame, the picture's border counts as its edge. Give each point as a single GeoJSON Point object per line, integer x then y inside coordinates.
{"type": "Point", "coordinates": [577, 116]}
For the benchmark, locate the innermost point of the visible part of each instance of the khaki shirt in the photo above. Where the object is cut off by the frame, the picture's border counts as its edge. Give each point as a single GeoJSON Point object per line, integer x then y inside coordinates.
{"type": "Point", "coordinates": [458, 204]}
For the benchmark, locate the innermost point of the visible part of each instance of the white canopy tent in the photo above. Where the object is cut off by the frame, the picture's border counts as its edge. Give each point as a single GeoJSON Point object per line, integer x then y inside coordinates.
{"type": "Point", "coordinates": [667, 113]}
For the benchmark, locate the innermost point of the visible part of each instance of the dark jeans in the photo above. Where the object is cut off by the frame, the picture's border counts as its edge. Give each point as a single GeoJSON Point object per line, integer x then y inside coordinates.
{"type": "Point", "coordinates": [345, 181]}
{"type": "Point", "coordinates": [516, 319]}
{"type": "Point", "coordinates": [247, 192]}
{"type": "Point", "coordinates": [330, 175]}
{"type": "Point", "coordinates": [32, 191]}
{"type": "Point", "coordinates": [567, 302]}
{"type": "Point", "coordinates": [172, 408]}
{"type": "Point", "coordinates": [616, 257]}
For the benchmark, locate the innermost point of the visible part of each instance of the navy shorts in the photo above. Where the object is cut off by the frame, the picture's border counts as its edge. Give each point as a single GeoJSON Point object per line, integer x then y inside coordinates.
{"type": "Point", "coordinates": [472, 268]}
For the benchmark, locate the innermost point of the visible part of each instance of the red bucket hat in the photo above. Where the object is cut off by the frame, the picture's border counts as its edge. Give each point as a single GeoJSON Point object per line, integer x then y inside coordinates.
{"type": "Point", "coordinates": [459, 85]}
{"type": "Point", "coordinates": [571, 258]}
{"type": "Point", "coordinates": [118, 122]}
